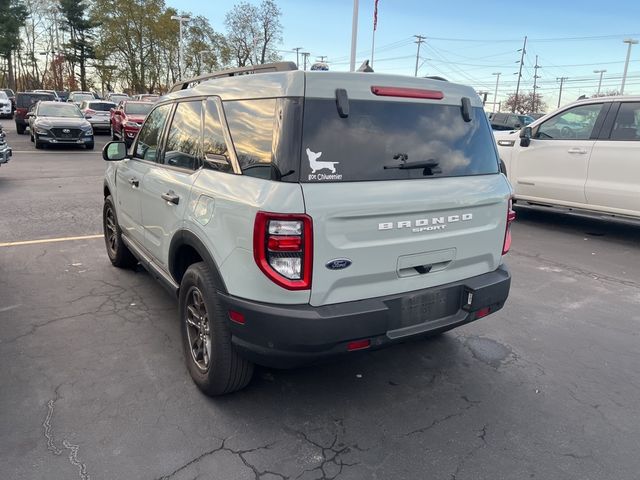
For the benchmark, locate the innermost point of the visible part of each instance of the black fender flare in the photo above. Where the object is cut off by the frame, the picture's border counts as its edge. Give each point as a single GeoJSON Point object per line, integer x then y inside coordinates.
{"type": "Point", "coordinates": [186, 237]}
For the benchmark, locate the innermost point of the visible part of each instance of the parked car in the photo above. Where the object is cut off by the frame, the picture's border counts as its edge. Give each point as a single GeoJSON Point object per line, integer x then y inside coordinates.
{"type": "Point", "coordinates": [52, 92]}
{"type": "Point", "coordinates": [25, 101]}
{"type": "Point", "coordinates": [509, 121]}
{"type": "Point", "coordinates": [5, 150]}
{"type": "Point", "coordinates": [301, 215]}
{"type": "Point", "coordinates": [56, 123]}
{"type": "Point", "coordinates": [12, 96]}
{"type": "Point", "coordinates": [116, 97]}
{"type": "Point", "coordinates": [79, 97]}
{"type": "Point", "coordinates": [6, 107]}
{"type": "Point", "coordinates": [536, 116]}
{"type": "Point", "coordinates": [127, 118]}
{"type": "Point", "coordinates": [584, 156]}
{"type": "Point", "coordinates": [62, 95]}
{"type": "Point", "coordinates": [147, 97]}
{"type": "Point", "coordinates": [98, 112]}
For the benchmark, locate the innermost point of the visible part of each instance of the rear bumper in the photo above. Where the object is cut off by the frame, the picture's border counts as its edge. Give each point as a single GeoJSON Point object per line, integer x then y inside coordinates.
{"type": "Point", "coordinates": [285, 336]}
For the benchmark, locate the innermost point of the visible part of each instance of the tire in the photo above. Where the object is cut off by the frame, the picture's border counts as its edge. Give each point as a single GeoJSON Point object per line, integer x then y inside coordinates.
{"type": "Point", "coordinates": [31, 137]}
{"type": "Point", "coordinates": [20, 129]}
{"type": "Point", "coordinates": [117, 251]}
{"type": "Point", "coordinates": [89, 146]}
{"type": "Point", "coordinates": [113, 134]}
{"type": "Point", "coordinates": [39, 144]}
{"type": "Point", "coordinates": [223, 370]}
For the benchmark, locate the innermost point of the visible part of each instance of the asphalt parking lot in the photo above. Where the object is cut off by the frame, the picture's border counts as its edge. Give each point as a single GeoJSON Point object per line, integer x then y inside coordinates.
{"type": "Point", "coordinates": [93, 383]}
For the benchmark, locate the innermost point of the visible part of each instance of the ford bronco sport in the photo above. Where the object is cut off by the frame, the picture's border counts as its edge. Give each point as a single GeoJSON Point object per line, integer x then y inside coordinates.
{"type": "Point", "coordinates": [302, 215]}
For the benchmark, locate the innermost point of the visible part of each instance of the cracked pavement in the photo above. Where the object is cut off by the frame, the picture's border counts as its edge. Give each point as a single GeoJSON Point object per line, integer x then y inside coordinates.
{"type": "Point", "coordinates": [94, 384]}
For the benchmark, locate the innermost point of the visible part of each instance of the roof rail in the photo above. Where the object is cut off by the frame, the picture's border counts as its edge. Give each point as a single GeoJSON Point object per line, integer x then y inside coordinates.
{"type": "Point", "coordinates": [232, 72]}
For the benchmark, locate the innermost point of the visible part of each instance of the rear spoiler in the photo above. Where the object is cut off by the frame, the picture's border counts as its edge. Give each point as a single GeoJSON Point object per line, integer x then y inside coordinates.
{"type": "Point", "coordinates": [233, 72]}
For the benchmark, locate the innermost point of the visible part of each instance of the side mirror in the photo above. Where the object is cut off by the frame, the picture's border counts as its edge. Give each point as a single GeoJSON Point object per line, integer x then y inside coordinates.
{"type": "Point", "coordinates": [30, 114]}
{"type": "Point", "coordinates": [114, 151]}
{"type": "Point", "coordinates": [525, 137]}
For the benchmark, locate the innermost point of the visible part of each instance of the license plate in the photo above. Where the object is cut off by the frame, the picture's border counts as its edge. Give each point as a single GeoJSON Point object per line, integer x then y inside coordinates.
{"type": "Point", "coordinates": [429, 306]}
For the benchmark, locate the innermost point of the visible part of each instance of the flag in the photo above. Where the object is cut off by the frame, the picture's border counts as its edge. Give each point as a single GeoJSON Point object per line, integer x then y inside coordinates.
{"type": "Point", "coordinates": [375, 15]}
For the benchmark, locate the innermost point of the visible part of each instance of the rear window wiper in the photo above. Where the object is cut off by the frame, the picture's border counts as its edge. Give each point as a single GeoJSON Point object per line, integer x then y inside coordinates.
{"type": "Point", "coordinates": [430, 167]}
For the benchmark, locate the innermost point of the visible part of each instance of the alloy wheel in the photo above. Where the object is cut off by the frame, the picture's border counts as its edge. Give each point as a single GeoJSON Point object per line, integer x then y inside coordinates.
{"type": "Point", "coordinates": [198, 329]}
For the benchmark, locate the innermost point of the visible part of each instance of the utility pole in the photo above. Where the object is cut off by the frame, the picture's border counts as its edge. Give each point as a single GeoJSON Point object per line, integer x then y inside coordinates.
{"type": "Point", "coordinates": [561, 79]}
{"type": "Point", "coordinates": [354, 36]}
{"type": "Point", "coordinates": [182, 19]}
{"type": "Point", "coordinates": [321, 58]}
{"type": "Point", "coordinates": [419, 40]}
{"type": "Point", "coordinates": [305, 55]}
{"type": "Point", "coordinates": [630, 41]}
{"type": "Point", "coordinates": [535, 85]}
{"type": "Point", "coordinates": [495, 93]}
{"type": "Point", "coordinates": [297, 50]}
{"type": "Point", "coordinates": [601, 72]}
{"type": "Point", "coordinates": [524, 51]}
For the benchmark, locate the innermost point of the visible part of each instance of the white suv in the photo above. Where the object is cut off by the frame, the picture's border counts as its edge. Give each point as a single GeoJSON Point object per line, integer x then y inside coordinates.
{"type": "Point", "coordinates": [303, 215]}
{"type": "Point", "coordinates": [585, 156]}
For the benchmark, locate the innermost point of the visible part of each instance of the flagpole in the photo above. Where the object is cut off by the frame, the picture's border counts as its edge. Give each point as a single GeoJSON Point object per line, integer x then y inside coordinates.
{"type": "Point", "coordinates": [373, 43]}
{"type": "Point", "coordinates": [354, 36]}
{"type": "Point", "coordinates": [375, 25]}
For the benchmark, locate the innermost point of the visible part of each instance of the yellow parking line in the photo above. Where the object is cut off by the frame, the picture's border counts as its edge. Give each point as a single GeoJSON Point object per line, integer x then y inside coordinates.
{"type": "Point", "coordinates": [49, 240]}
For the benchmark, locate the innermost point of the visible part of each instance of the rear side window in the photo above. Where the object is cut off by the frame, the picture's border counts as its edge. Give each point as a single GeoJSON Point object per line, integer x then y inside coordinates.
{"type": "Point", "coordinates": [25, 100]}
{"type": "Point", "coordinates": [184, 142]}
{"type": "Point", "coordinates": [380, 140]}
{"type": "Point", "coordinates": [214, 142]}
{"type": "Point", "coordinates": [266, 136]}
{"type": "Point", "coordinates": [627, 123]}
{"type": "Point", "coordinates": [149, 136]}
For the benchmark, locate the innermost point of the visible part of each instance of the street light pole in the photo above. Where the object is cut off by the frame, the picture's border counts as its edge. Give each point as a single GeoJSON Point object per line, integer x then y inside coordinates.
{"type": "Point", "coordinates": [561, 79]}
{"type": "Point", "coordinates": [601, 72]}
{"type": "Point", "coordinates": [297, 49]}
{"type": "Point", "coordinates": [630, 41]}
{"type": "Point", "coordinates": [354, 36]}
{"type": "Point", "coordinates": [495, 93]}
{"type": "Point", "coordinates": [182, 19]}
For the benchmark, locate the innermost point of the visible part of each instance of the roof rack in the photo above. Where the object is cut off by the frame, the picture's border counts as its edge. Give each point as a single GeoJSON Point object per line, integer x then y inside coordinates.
{"type": "Point", "coordinates": [233, 72]}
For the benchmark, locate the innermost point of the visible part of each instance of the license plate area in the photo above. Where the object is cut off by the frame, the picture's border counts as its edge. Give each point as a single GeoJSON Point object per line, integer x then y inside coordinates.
{"type": "Point", "coordinates": [428, 306]}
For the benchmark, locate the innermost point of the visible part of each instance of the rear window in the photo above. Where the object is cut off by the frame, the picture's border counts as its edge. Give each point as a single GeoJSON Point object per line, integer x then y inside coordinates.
{"type": "Point", "coordinates": [25, 100]}
{"type": "Point", "coordinates": [378, 139]}
{"type": "Point", "coordinates": [138, 108]}
{"type": "Point", "coordinates": [101, 106]}
{"type": "Point", "coordinates": [78, 97]}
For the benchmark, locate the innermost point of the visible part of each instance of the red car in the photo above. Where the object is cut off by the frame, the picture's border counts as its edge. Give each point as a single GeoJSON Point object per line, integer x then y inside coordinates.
{"type": "Point", "coordinates": [127, 118]}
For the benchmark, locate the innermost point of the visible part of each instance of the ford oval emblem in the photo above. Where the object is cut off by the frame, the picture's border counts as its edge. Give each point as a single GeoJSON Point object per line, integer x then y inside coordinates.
{"type": "Point", "coordinates": [338, 263]}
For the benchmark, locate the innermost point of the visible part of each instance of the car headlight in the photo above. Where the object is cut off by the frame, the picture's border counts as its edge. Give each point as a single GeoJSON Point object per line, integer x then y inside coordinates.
{"type": "Point", "coordinates": [42, 131]}
{"type": "Point", "coordinates": [132, 124]}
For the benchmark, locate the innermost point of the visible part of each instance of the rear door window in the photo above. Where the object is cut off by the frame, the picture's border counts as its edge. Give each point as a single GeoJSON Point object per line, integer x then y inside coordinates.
{"type": "Point", "coordinates": [627, 123]}
{"type": "Point", "coordinates": [394, 141]}
{"type": "Point", "coordinates": [183, 148]}
{"type": "Point", "coordinates": [214, 141]}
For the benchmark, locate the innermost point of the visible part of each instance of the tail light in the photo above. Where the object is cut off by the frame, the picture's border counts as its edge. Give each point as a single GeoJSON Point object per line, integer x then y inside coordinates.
{"type": "Point", "coordinates": [283, 248]}
{"type": "Point", "coordinates": [88, 112]}
{"type": "Point", "coordinates": [511, 216]}
{"type": "Point", "coordinates": [407, 92]}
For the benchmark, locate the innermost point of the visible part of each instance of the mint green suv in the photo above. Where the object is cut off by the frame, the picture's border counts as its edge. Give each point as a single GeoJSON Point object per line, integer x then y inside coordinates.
{"type": "Point", "coordinates": [299, 216]}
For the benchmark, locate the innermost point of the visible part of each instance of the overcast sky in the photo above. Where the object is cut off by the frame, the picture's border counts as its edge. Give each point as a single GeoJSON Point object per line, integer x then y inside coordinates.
{"type": "Point", "coordinates": [467, 40]}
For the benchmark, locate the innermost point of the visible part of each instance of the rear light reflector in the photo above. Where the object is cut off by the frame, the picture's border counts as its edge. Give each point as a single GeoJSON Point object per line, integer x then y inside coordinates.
{"type": "Point", "coordinates": [236, 317]}
{"type": "Point", "coordinates": [283, 248]}
{"type": "Point", "coordinates": [358, 345]}
{"type": "Point", "coordinates": [511, 216]}
{"type": "Point", "coordinates": [407, 92]}
{"type": "Point", "coordinates": [483, 312]}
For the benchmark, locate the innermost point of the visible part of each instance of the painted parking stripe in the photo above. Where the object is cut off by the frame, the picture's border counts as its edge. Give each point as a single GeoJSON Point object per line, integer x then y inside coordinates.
{"type": "Point", "coordinates": [37, 152]}
{"type": "Point", "coordinates": [50, 240]}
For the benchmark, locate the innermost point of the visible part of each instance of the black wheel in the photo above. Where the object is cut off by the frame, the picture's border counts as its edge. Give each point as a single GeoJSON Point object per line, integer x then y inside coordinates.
{"type": "Point", "coordinates": [89, 146]}
{"type": "Point", "coordinates": [213, 363]}
{"type": "Point", "coordinates": [117, 251]}
{"type": "Point", "coordinates": [20, 128]}
{"type": "Point", "coordinates": [39, 144]}
{"type": "Point", "coordinates": [31, 137]}
{"type": "Point", "coordinates": [113, 134]}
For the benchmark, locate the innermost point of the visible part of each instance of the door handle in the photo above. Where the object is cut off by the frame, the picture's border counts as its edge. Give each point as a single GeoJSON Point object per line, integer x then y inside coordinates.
{"type": "Point", "coordinates": [171, 197]}
{"type": "Point", "coordinates": [581, 151]}
{"type": "Point", "coordinates": [134, 182]}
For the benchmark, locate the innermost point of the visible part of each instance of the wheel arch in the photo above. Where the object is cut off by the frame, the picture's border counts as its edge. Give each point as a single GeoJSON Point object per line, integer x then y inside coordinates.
{"type": "Point", "coordinates": [185, 249]}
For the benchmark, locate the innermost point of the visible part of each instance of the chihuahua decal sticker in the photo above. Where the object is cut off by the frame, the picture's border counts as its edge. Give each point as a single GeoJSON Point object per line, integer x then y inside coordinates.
{"type": "Point", "coordinates": [317, 166]}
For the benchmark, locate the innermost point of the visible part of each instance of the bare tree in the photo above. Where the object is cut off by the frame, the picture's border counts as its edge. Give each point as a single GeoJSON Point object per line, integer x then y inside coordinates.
{"type": "Point", "coordinates": [525, 103]}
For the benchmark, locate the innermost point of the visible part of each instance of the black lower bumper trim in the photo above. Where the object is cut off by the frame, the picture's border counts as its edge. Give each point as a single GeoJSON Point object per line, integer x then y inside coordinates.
{"type": "Point", "coordinates": [286, 336]}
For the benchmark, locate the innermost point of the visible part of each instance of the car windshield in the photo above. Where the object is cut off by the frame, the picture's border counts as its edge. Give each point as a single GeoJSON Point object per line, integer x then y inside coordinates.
{"type": "Point", "coordinates": [101, 106]}
{"type": "Point", "coordinates": [3, 96]}
{"type": "Point", "coordinates": [78, 97]}
{"type": "Point", "coordinates": [58, 110]}
{"type": "Point", "coordinates": [138, 108]}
